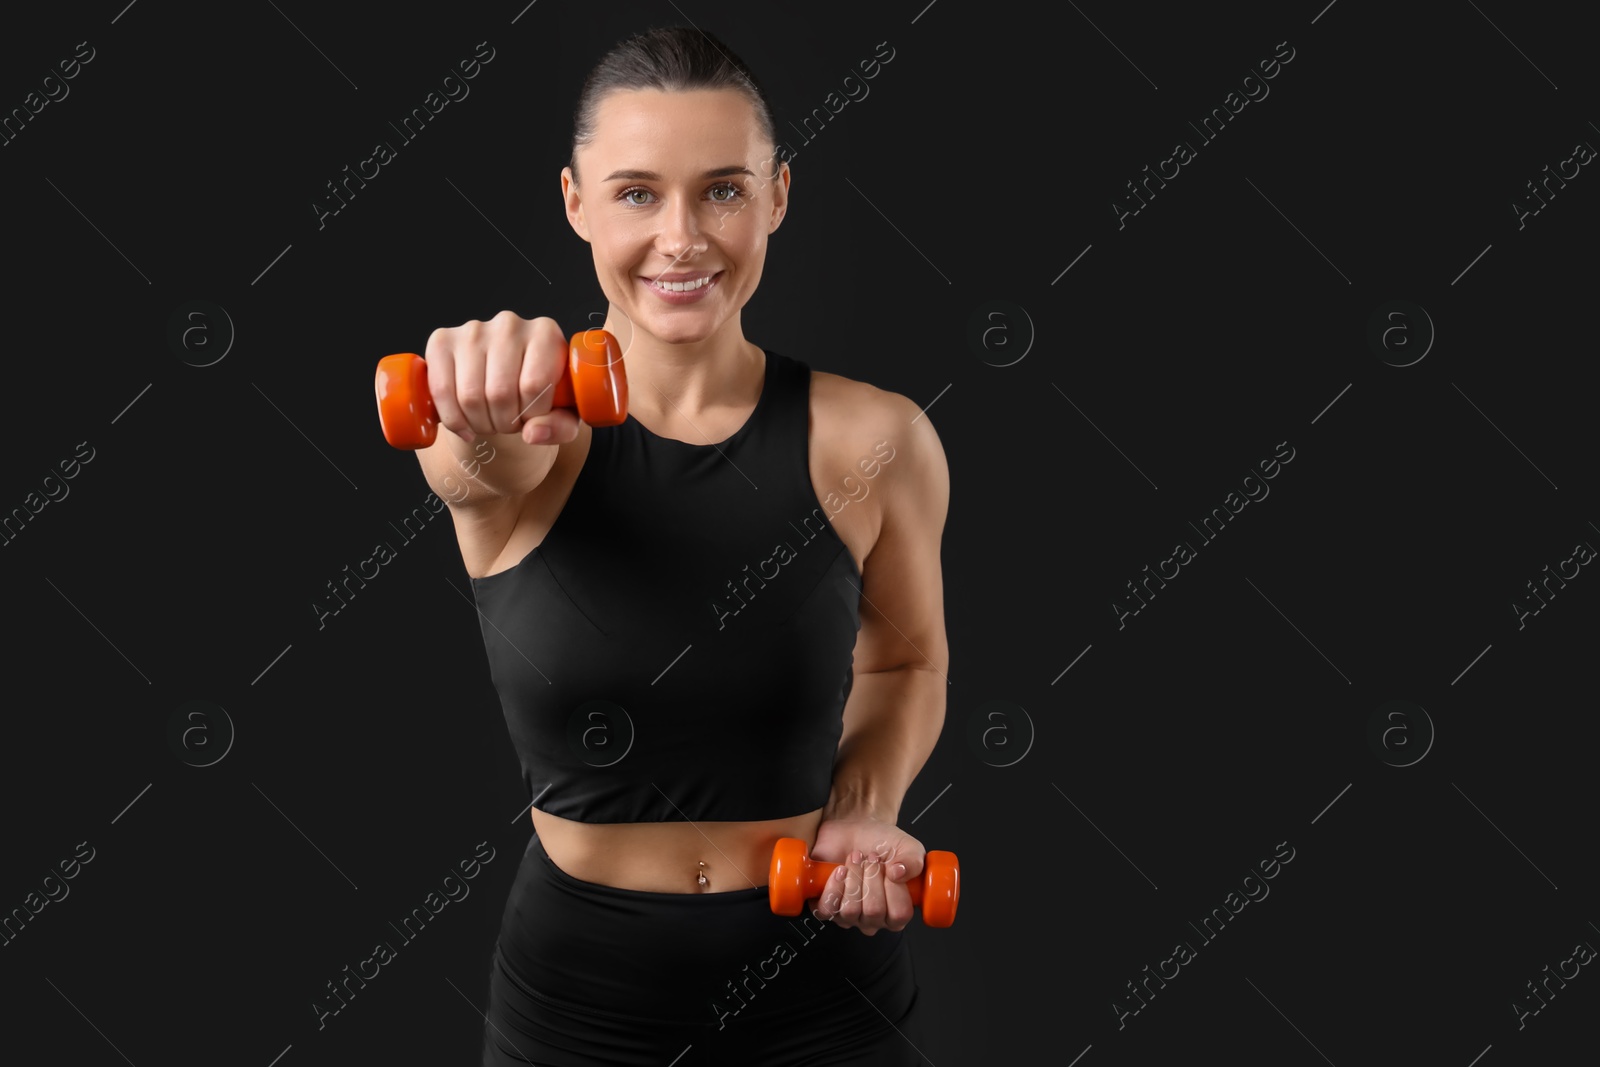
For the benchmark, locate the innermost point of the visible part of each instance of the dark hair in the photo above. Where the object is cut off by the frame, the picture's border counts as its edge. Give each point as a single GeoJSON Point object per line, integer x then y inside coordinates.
{"type": "Point", "coordinates": [673, 59]}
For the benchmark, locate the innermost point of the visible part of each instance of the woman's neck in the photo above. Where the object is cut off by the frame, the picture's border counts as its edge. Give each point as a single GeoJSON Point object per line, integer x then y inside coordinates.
{"type": "Point", "coordinates": [672, 382]}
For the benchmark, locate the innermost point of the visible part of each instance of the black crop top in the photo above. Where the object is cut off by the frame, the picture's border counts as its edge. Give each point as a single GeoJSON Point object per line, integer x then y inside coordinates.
{"type": "Point", "coordinates": [680, 645]}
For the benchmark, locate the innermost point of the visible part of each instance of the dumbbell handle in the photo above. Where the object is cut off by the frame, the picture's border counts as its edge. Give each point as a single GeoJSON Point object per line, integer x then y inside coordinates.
{"type": "Point", "coordinates": [815, 879]}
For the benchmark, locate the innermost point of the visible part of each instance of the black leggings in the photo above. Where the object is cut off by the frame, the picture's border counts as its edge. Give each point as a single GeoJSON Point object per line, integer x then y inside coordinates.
{"type": "Point", "coordinates": [587, 974]}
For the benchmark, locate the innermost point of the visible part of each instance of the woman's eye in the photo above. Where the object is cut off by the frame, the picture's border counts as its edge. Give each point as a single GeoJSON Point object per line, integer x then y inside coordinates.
{"type": "Point", "coordinates": [726, 193]}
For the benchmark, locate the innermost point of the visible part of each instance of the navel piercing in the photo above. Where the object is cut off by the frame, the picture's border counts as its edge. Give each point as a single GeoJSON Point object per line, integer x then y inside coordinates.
{"type": "Point", "coordinates": [703, 879]}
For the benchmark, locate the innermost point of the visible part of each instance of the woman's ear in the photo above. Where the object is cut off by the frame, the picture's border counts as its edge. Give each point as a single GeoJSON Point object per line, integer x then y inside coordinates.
{"type": "Point", "coordinates": [780, 197]}
{"type": "Point", "coordinates": [574, 203]}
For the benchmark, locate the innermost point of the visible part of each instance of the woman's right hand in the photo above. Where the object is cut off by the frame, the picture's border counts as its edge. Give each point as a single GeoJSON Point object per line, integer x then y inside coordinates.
{"type": "Point", "coordinates": [498, 377]}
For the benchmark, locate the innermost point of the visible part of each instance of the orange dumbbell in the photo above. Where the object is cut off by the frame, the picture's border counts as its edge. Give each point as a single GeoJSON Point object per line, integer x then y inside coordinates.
{"type": "Point", "coordinates": [594, 384]}
{"type": "Point", "coordinates": [796, 878]}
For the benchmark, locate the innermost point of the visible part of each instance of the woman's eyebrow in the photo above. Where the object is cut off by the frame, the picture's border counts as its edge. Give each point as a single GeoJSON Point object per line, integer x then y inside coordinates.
{"type": "Point", "coordinates": [652, 176]}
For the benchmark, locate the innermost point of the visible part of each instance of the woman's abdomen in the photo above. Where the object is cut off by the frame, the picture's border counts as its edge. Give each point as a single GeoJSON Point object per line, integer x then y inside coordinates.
{"type": "Point", "coordinates": [668, 857]}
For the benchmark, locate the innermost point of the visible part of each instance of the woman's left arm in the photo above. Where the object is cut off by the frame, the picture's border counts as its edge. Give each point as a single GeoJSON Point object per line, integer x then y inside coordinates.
{"type": "Point", "coordinates": [897, 700]}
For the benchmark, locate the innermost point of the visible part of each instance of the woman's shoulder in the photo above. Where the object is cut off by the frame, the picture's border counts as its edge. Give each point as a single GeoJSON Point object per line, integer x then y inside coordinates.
{"type": "Point", "coordinates": [838, 402]}
{"type": "Point", "coordinates": [858, 424]}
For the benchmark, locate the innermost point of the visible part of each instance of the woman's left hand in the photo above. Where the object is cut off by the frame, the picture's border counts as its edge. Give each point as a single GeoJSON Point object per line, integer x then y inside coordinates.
{"type": "Point", "coordinates": [868, 890]}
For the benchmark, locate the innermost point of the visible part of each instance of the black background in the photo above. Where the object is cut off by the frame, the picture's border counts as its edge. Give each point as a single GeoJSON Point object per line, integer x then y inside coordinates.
{"type": "Point", "coordinates": [1230, 715]}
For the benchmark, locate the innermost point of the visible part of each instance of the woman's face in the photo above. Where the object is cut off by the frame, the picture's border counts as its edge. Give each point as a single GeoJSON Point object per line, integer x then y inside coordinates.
{"type": "Point", "coordinates": [676, 194]}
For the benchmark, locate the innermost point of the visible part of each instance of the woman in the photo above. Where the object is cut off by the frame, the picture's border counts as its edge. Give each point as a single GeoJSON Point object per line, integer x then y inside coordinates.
{"type": "Point", "coordinates": [715, 625]}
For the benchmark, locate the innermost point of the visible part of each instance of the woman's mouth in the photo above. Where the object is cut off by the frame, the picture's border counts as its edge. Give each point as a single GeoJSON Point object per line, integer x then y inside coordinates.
{"type": "Point", "coordinates": [682, 288]}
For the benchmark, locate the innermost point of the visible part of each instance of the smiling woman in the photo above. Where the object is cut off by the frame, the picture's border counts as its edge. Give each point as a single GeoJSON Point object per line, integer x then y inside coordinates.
{"type": "Point", "coordinates": [590, 550]}
{"type": "Point", "coordinates": [635, 216]}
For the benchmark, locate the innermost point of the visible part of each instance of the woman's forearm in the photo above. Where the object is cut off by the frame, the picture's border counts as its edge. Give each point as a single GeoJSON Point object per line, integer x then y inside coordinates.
{"type": "Point", "coordinates": [891, 723]}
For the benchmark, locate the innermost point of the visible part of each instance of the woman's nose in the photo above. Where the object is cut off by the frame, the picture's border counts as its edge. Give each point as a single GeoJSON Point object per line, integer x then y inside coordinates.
{"type": "Point", "coordinates": [680, 234]}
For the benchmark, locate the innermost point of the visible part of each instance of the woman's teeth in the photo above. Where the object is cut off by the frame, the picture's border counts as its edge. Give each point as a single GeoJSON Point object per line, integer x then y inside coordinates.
{"type": "Point", "coordinates": [683, 287]}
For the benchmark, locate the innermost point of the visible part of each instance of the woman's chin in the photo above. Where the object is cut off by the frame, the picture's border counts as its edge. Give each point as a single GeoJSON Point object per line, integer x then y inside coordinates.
{"type": "Point", "coordinates": [678, 329]}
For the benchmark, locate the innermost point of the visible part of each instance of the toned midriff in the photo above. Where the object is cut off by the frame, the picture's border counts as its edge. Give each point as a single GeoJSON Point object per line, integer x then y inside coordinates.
{"type": "Point", "coordinates": [670, 857]}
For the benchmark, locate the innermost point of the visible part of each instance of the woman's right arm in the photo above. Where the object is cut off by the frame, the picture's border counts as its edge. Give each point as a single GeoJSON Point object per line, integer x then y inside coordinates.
{"type": "Point", "coordinates": [492, 383]}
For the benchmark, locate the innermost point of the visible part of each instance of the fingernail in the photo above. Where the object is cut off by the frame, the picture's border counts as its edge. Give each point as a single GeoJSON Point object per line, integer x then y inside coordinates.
{"type": "Point", "coordinates": [899, 870]}
{"type": "Point", "coordinates": [837, 875]}
{"type": "Point", "coordinates": [855, 857]}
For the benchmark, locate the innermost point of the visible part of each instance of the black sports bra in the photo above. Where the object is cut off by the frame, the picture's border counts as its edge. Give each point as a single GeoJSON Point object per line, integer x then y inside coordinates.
{"type": "Point", "coordinates": [679, 647]}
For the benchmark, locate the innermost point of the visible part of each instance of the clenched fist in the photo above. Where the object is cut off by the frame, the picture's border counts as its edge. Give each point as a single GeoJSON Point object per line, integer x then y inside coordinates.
{"type": "Point", "coordinates": [498, 377]}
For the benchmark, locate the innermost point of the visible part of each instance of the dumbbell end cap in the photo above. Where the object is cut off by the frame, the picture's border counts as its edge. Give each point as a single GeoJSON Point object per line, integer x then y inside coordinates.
{"type": "Point", "coordinates": [405, 407]}
{"type": "Point", "coordinates": [942, 888]}
{"type": "Point", "coordinates": [786, 889]}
